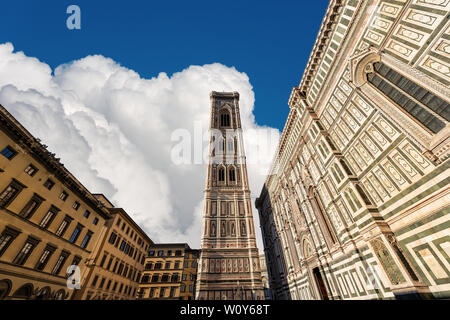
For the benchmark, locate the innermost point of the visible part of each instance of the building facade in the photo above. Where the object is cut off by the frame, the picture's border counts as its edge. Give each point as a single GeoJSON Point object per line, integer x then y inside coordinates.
{"type": "Point", "coordinates": [356, 203]}
{"type": "Point", "coordinates": [265, 277]}
{"type": "Point", "coordinates": [48, 219]}
{"type": "Point", "coordinates": [170, 272]}
{"type": "Point", "coordinates": [117, 263]}
{"type": "Point", "coordinates": [229, 263]}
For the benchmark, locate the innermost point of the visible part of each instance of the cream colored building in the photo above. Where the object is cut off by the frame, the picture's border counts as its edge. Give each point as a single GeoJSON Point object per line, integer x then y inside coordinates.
{"type": "Point", "coordinates": [170, 272]}
{"type": "Point", "coordinates": [48, 219]}
{"type": "Point", "coordinates": [116, 266]}
{"type": "Point", "coordinates": [356, 204]}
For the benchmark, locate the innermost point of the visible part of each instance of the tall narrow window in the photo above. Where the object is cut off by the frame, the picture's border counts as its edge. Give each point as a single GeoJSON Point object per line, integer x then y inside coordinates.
{"type": "Point", "coordinates": [6, 238]}
{"type": "Point", "coordinates": [26, 250]}
{"type": "Point", "coordinates": [60, 262]}
{"type": "Point", "coordinates": [76, 233]}
{"type": "Point", "coordinates": [221, 174]}
{"type": "Point", "coordinates": [48, 218]}
{"type": "Point", "coordinates": [232, 175]}
{"type": "Point", "coordinates": [429, 110]}
{"type": "Point", "coordinates": [31, 207]}
{"type": "Point", "coordinates": [42, 262]}
{"type": "Point", "coordinates": [225, 119]}
{"type": "Point", "coordinates": [63, 226]}
{"type": "Point", "coordinates": [10, 193]}
{"type": "Point", "coordinates": [86, 239]}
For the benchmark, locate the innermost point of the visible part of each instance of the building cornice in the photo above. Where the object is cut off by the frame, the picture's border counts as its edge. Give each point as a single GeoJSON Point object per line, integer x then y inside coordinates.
{"type": "Point", "coordinates": [38, 151]}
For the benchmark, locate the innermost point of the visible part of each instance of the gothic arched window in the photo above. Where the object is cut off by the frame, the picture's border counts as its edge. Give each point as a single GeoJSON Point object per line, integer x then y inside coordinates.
{"type": "Point", "coordinates": [232, 175]}
{"type": "Point", "coordinates": [221, 174]}
{"type": "Point", "coordinates": [225, 119]}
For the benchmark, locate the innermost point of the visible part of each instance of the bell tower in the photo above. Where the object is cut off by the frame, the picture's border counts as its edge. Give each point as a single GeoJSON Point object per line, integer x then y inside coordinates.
{"type": "Point", "coordinates": [229, 266]}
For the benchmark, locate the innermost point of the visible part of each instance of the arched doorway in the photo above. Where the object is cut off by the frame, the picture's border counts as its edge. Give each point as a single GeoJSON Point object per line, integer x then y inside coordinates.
{"type": "Point", "coordinates": [24, 292]}
{"type": "Point", "coordinates": [5, 288]}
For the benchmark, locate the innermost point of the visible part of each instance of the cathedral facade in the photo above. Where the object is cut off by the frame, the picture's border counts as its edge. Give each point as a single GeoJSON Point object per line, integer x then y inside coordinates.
{"type": "Point", "coordinates": [229, 262]}
{"type": "Point", "coordinates": [356, 204]}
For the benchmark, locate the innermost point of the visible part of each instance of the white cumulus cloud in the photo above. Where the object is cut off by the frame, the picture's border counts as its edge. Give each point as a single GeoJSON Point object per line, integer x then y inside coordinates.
{"type": "Point", "coordinates": [113, 130]}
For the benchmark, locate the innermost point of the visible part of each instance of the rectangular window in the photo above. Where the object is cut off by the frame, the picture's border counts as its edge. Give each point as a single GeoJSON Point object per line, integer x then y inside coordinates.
{"type": "Point", "coordinates": [112, 237]}
{"type": "Point", "coordinates": [94, 282]}
{"type": "Point", "coordinates": [183, 277]}
{"type": "Point", "coordinates": [49, 184]}
{"type": "Point", "coordinates": [117, 242]}
{"type": "Point", "coordinates": [102, 283]}
{"type": "Point", "coordinates": [31, 170]}
{"type": "Point", "coordinates": [6, 238]}
{"type": "Point", "coordinates": [9, 153]}
{"type": "Point", "coordinates": [76, 205]}
{"type": "Point", "coordinates": [63, 226]}
{"type": "Point", "coordinates": [172, 292]}
{"type": "Point", "coordinates": [60, 262]}
{"type": "Point", "coordinates": [31, 207]}
{"type": "Point", "coordinates": [109, 263]}
{"type": "Point", "coordinates": [9, 194]}
{"type": "Point", "coordinates": [183, 288]}
{"type": "Point", "coordinates": [95, 221]}
{"type": "Point", "coordinates": [76, 233]}
{"type": "Point", "coordinates": [191, 288]}
{"type": "Point", "coordinates": [48, 218]}
{"type": "Point", "coordinates": [63, 196]}
{"type": "Point", "coordinates": [86, 214]}
{"type": "Point", "coordinates": [115, 266]}
{"type": "Point", "coordinates": [109, 284]}
{"type": "Point", "coordinates": [114, 286]}
{"type": "Point", "coordinates": [42, 262]}
{"type": "Point", "coordinates": [162, 291]}
{"type": "Point", "coordinates": [86, 239]}
{"type": "Point", "coordinates": [103, 260]}
{"type": "Point", "coordinates": [26, 250]}
{"type": "Point", "coordinates": [76, 260]}
{"type": "Point", "coordinates": [118, 222]}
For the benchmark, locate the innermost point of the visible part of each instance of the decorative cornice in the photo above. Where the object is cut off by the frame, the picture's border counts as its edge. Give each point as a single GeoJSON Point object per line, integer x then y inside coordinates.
{"type": "Point", "coordinates": [320, 45]}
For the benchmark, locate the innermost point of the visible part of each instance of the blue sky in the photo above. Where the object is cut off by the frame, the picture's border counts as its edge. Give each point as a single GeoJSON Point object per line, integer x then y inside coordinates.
{"type": "Point", "coordinates": [269, 40]}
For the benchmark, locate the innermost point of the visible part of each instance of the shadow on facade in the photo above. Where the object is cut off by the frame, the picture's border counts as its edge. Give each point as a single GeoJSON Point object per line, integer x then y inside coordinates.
{"type": "Point", "coordinates": [273, 250]}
